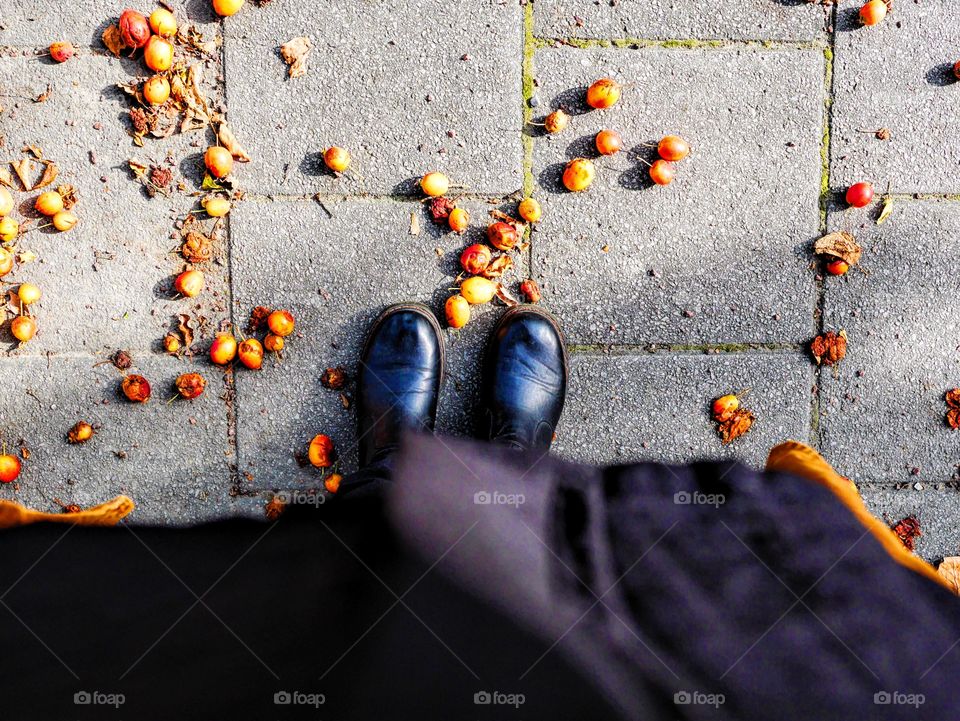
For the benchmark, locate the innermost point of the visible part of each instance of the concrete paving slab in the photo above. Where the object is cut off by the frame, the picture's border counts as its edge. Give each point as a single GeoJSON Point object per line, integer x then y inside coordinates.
{"type": "Point", "coordinates": [680, 19]}
{"type": "Point", "coordinates": [37, 23]}
{"type": "Point", "coordinates": [172, 459]}
{"type": "Point", "coordinates": [407, 87]}
{"type": "Point", "coordinates": [897, 75]}
{"type": "Point", "coordinates": [336, 275]}
{"type": "Point", "coordinates": [718, 256]}
{"type": "Point", "coordinates": [882, 413]}
{"type": "Point", "coordinates": [107, 282]}
{"type": "Point", "coordinates": [937, 511]}
{"type": "Point", "coordinates": [656, 407]}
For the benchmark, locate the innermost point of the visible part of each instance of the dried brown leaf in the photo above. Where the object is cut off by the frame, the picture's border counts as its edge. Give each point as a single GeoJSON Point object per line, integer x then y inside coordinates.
{"type": "Point", "coordinates": [498, 267]}
{"type": "Point", "coordinates": [505, 296]}
{"type": "Point", "coordinates": [186, 331]}
{"type": "Point", "coordinates": [23, 170]}
{"type": "Point", "coordinates": [50, 173]}
{"type": "Point", "coordinates": [111, 39]}
{"type": "Point", "coordinates": [258, 319]}
{"type": "Point", "coordinates": [736, 425]}
{"type": "Point", "coordinates": [839, 245]}
{"type": "Point", "coordinates": [230, 142]}
{"type": "Point", "coordinates": [6, 177]}
{"type": "Point", "coordinates": [414, 224]}
{"type": "Point", "coordinates": [949, 571]}
{"type": "Point", "coordinates": [45, 95]}
{"type": "Point", "coordinates": [953, 418]}
{"type": "Point", "coordinates": [294, 54]}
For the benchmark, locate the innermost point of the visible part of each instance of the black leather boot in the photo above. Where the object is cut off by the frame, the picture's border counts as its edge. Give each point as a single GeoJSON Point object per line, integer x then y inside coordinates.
{"type": "Point", "coordinates": [398, 381]}
{"type": "Point", "coordinates": [525, 379]}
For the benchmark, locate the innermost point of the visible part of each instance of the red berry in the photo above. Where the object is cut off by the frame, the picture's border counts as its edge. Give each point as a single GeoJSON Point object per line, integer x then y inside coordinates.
{"type": "Point", "coordinates": [860, 194]}
{"type": "Point", "coordinates": [838, 267]}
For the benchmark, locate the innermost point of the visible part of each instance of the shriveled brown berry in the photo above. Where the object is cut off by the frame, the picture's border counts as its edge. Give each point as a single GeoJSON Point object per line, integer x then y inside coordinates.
{"type": "Point", "coordinates": [334, 378]}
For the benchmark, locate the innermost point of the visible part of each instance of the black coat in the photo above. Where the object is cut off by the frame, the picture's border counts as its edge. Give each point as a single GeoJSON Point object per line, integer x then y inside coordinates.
{"type": "Point", "coordinates": [485, 584]}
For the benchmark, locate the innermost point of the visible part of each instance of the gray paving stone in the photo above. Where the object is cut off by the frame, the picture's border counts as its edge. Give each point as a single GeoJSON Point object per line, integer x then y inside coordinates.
{"type": "Point", "coordinates": [937, 511]}
{"type": "Point", "coordinates": [656, 407]}
{"type": "Point", "coordinates": [336, 274]}
{"type": "Point", "coordinates": [719, 255]}
{"type": "Point", "coordinates": [679, 19]}
{"type": "Point", "coordinates": [176, 463]}
{"type": "Point", "coordinates": [882, 414]}
{"type": "Point", "coordinates": [37, 23]}
{"type": "Point", "coordinates": [389, 82]}
{"type": "Point", "coordinates": [106, 283]}
{"type": "Point", "coordinates": [897, 75]}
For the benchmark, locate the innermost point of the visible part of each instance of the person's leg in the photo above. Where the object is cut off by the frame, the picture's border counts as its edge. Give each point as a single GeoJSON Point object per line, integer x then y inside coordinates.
{"type": "Point", "coordinates": [525, 379]}
{"type": "Point", "coordinates": [398, 385]}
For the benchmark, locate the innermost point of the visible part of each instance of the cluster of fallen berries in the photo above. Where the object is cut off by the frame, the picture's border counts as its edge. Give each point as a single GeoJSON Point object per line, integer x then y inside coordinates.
{"type": "Point", "coordinates": [56, 205]}
{"type": "Point", "coordinates": [484, 264]}
{"type": "Point", "coordinates": [579, 173]}
{"type": "Point", "coordinates": [731, 418]}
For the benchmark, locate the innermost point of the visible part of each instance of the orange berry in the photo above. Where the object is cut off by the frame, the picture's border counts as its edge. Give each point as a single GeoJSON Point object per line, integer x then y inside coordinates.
{"type": "Point", "coordinates": [156, 90]}
{"type": "Point", "coordinates": [158, 54]}
{"type": "Point", "coordinates": [61, 52]}
{"type": "Point", "coordinates": [189, 283]}
{"type": "Point", "coordinates": [321, 451]}
{"type": "Point", "coordinates": [162, 22]}
{"type": "Point", "coordinates": [136, 388]}
{"type": "Point", "coordinates": [578, 175]}
{"type": "Point", "coordinates": [434, 184]}
{"type": "Point", "coordinates": [502, 236]}
{"type": "Point", "coordinates": [608, 142]}
{"type": "Point", "coordinates": [838, 267]}
{"type": "Point", "coordinates": [337, 159]}
{"type": "Point", "coordinates": [725, 406]}
{"type": "Point", "coordinates": [49, 203]}
{"type": "Point", "coordinates": [23, 328]}
{"type": "Point", "coordinates": [530, 210]}
{"type": "Point", "coordinates": [251, 353]}
{"type": "Point", "coordinates": [662, 172]}
{"type": "Point", "coordinates": [9, 468]}
{"type": "Point", "coordinates": [218, 161]}
{"type": "Point", "coordinates": [280, 323]}
{"type": "Point", "coordinates": [273, 343]}
{"type": "Point", "coordinates": [223, 349]}
{"type": "Point", "coordinates": [458, 220]}
{"type": "Point", "coordinates": [556, 122]}
{"type": "Point", "coordinates": [604, 93]}
{"type": "Point", "coordinates": [873, 12]}
{"type": "Point", "coordinates": [673, 148]}
{"type": "Point", "coordinates": [458, 311]}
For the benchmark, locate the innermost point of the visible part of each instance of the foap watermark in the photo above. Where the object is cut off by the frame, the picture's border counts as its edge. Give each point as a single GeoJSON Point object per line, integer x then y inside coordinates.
{"type": "Point", "coordinates": [299, 698]}
{"type": "Point", "coordinates": [699, 698]}
{"type": "Point", "coordinates": [697, 498]}
{"type": "Point", "coordinates": [300, 498]}
{"type": "Point", "coordinates": [498, 698]}
{"type": "Point", "coordinates": [496, 498]}
{"type": "Point", "coordinates": [99, 698]}
{"type": "Point", "coordinates": [899, 698]}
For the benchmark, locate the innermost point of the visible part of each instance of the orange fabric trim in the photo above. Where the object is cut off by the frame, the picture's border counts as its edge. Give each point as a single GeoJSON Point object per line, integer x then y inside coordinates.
{"type": "Point", "coordinates": [802, 460]}
{"type": "Point", "coordinates": [106, 514]}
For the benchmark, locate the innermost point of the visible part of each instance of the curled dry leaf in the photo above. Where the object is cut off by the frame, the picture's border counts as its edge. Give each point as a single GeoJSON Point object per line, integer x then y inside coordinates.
{"type": "Point", "coordinates": [830, 348]}
{"type": "Point", "coordinates": [949, 570]}
{"type": "Point", "coordinates": [885, 210]}
{"type": "Point", "coordinates": [50, 173]}
{"type": "Point", "coordinates": [45, 95]}
{"type": "Point", "coordinates": [111, 39]}
{"type": "Point", "coordinates": [498, 267]}
{"type": "Point", "coordinates": [294, 54]}
{"type": "Point", "coordinates": [192, 39]}
{"type": "Point", "coordinates": [186, 330]}
{"type": "Point", "coordinates": [230, 142]}
{"type": "Point", "coordinates": [736, 425]}
{"type": "Point", "coordinates": [6, 177]}
{"type": "Point", "coordinates": [840, 245]}
{"type": "Point", "coordinates": [187, 95]}
{"type": "Point", "coordinates": [505, 296]}
{"type": "Point", "coordinates": [23, 170]}
{"type": "Point", "coordinates": [414, 224]}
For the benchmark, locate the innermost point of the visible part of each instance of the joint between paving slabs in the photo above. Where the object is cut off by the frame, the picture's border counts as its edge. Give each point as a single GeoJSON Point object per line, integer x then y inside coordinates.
{"type": "Point", "coordinates": [630, 43]}
{"type": "Point", "coordinates": [624, 349]}
{"type": "Point", "coordinates": [821, 291]}
{"type": "Point", "coordinates": [527, 85]}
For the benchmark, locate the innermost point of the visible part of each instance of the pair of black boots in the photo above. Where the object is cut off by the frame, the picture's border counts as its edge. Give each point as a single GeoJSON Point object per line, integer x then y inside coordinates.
{"type": "Point", "coordinates": [401, 370]}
